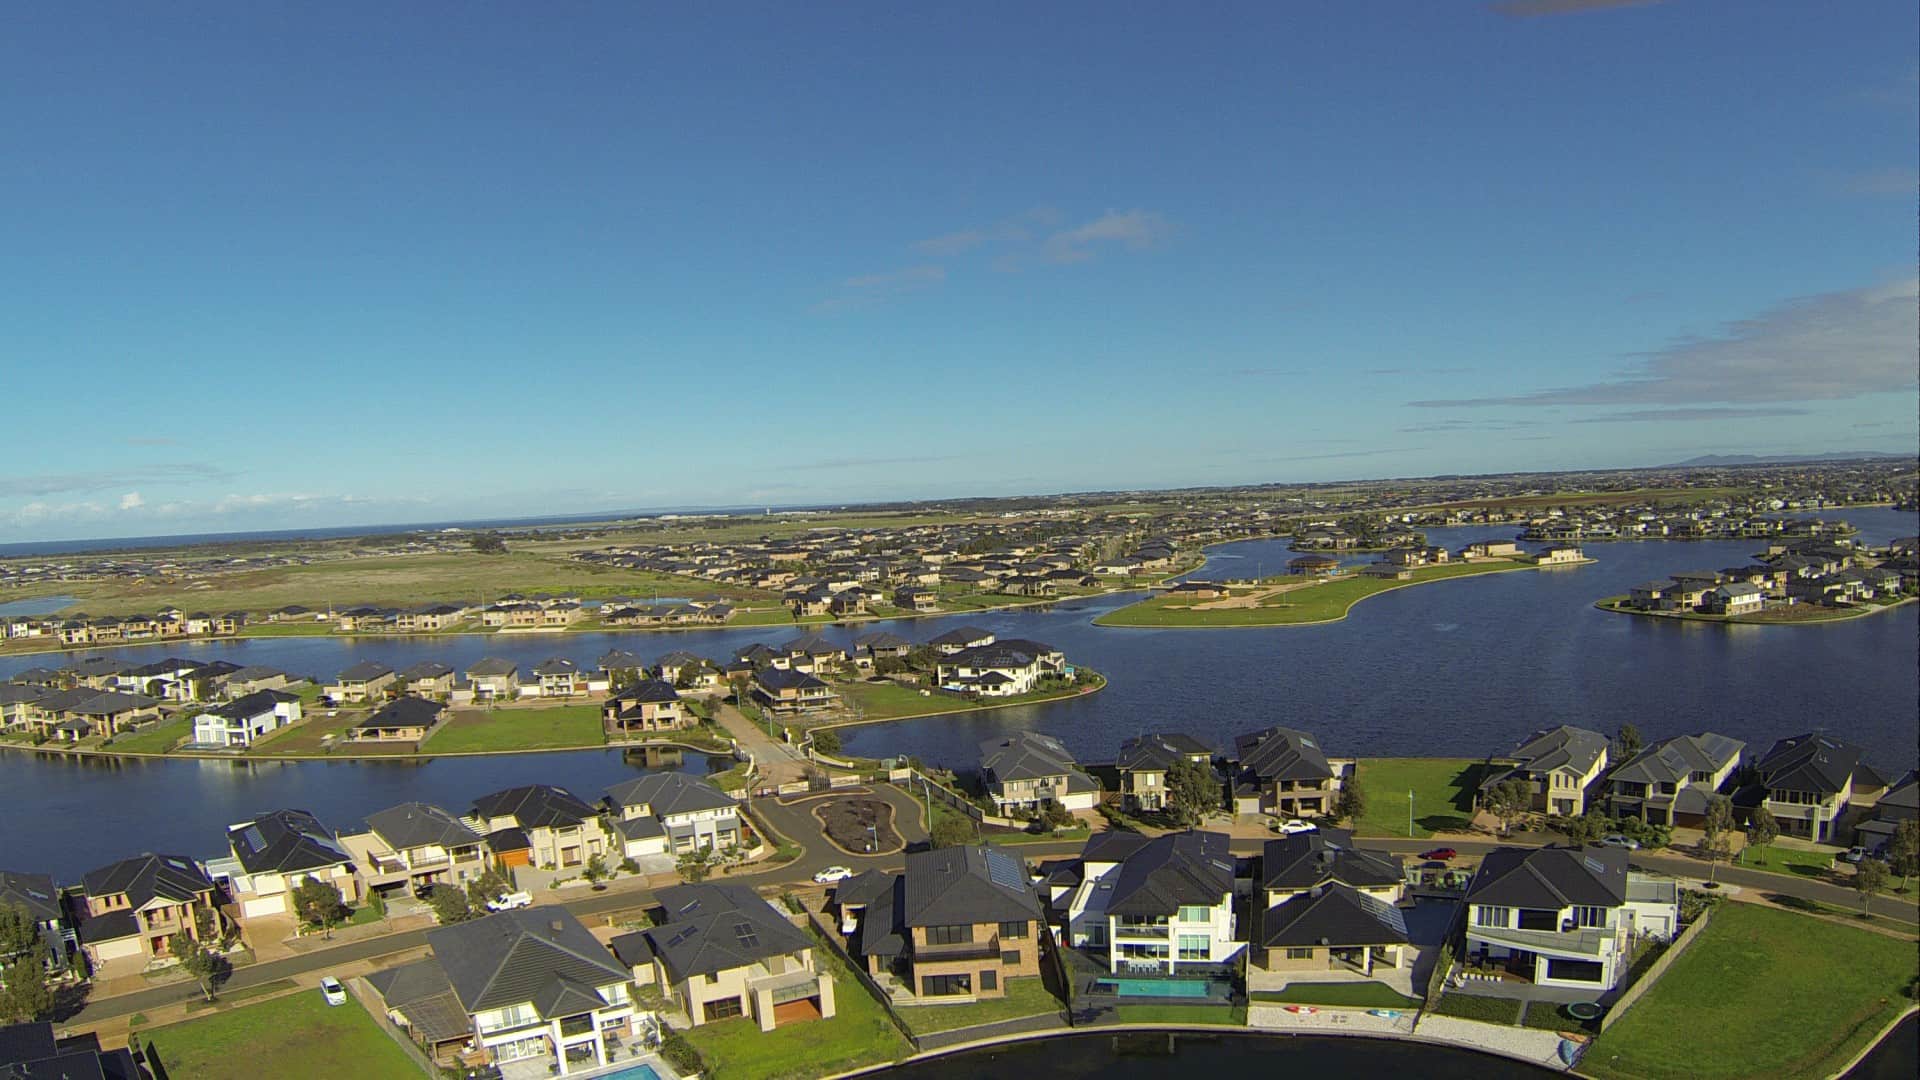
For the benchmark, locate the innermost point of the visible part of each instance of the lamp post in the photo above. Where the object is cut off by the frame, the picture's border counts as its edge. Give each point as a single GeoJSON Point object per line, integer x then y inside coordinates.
{"type": "Point", "coordinates": [1409, 813]}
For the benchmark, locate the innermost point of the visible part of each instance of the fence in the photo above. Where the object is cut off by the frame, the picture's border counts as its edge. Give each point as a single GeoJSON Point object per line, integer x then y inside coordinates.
{"type": "Point", "coordinates": [362, 993]}
{"type": "Point", "coordinates": [826, 931]}
{"type": "Point", "coordinates": [953, 799]}
{"type": "Point", "coordinates": [1655, 970]}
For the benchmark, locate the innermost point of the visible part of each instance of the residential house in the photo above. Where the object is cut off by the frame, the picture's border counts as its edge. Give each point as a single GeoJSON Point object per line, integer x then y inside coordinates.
{"type": "Point", "coordinates": [133, 906]}
{"type": "Point", "coordinates": [915, 598]}
{"type": "Point", "coordinates": [644, 706]}
{"type": "Point", "coordinates": [428, 678]}
{"type": "Point", "coordinates": [955, 925]}
{"type": "Point", "coordinates": [1026, 770]}
{"type": "Point", "coordinates": [1145, 761]}
{"type": "Point", "coordinates": [1284, 772]}
{"type": "Point", "coordinates": [782, 691]}
{"type": "Point", "coordinates": [670, 813]}
{"type": "Point", "coordinates": [532, 984]}
{"type": "Point", "coordinates": [1565, 917]}
{"type": "Point", "coordinates": [494, 679]}
{"type": "Point", "coordinates": [960, 638]}
{"type": "Point", "coordinates": [1156, 906]}
{"type": "Point", "coordinates": [1561, 765]}
{"type": "Point", "coordinates": [1816, 786]}
{"type": "Point", "coordinates": [404, 719]}
{"type": "Point", "coordinates": [723, 952]}
{"type": "Point", "coordinates": [1002, 669]}
{"type": "Point", "coordinates": [29, 1051]}
{"type": "Point", "coordinates": [1669, 782]}
{"type": "Point", "coordinates": [243, 681]}
{"type": "Point", "coordinates": [243, 721]}
{"type": "Point", "coordinates": [364, 681]}
{"type": "Point", "coordinates": [1900, 803]}
{"type": "Point", "coordinates": [558, 677]}
{"type": "Point", "coordinates": [1331, 927]}
{"type": "Point", "coordinates": [35, 894]}
{"type": "Point", "coordinates": [1734, 598]}
{"type": "Point", "coordinates": [1299, 863]}
{"type": "Point", "coordinates": [413, 845]}
{"type": "Point", "coordinates": [561, 830]}
{"type": "Point", "coordinates": [619, 666]}
{"type": "Point", "coordinates": [1492, 549]}
{"type": "Point", "coordinates": [274, 853]}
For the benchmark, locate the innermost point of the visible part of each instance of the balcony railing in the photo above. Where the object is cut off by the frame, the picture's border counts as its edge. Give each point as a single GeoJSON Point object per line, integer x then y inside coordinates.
{"type": "Point", "coordinates": [1589, 942]}
{"type": "Point", "coordinates": [962, 950]}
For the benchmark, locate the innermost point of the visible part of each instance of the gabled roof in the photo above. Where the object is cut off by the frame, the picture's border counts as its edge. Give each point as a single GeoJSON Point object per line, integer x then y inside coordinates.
{"type": "Point", "coordinates": [1334, 915]}
{"type": "Point", "coordinates": [1167, 872]}
{"type": "Point", "coordinates": [621, 660]}
{"type": "Point", "coordinates": [534, 805]}
{"type": "Point", "coordinates": [365, 671]}
{"type": "Point", "coordinates": [404, 712]}
{"type": "Point", "coordinates": [1811, 762]}
{"type": "Point", "coordinates": [648, 690]}
{"type": "Point", "coordinates": [1160, 751]}
{"type": "Point", "coordinates": [712, 927]}
{"type": "Point", "coordinates": [1673, 760]}
{"type": "Point", "coordinates": [962, 635]}
{"type": "Point", "coordinates": [418, 824]}
{"type": "Point", "coordinates": [251, 705]}
{"type": "Point", "coordinates": [491, 667]}
{"type": "Point", "coordinates": [785, 679]}
{"type": "Point", "coordinates": [427, 669]}
{"type": "Point", "coordinates": [966, 885]}
{"type": "Point", "coordinates": [556, 665]}
{"type": "Point", "coordinates": [145, 877]}
{"type": "Point", "coordinates": [284, 841]}
{"type": "Point", "coordinates": [1025, 755]}
{"type": "Point", "coordinates": [34, 892]}
{"type": "Point", "coordinates": [533, 954]}
{"type": "Point", "coordinates": [1551, 878]}
{"type": "Point", "coordinates": [1306, 860]}
{"type": "Point", "coordinates": [669, 793]}
{"type": "Point", "coordinates": [1279, 753]}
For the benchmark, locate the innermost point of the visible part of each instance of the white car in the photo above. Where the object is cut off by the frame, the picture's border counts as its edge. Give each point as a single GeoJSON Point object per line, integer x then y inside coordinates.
{"type": "Point", "coordinates": [832, 874]}
{"type": "Point", "coordinates": [1619, 841]}
{"type": "Point", "coordinates": [1297, 826]}
{"type": "Point", "coordinates": [509, 901]}
{"type": "Point", "coordinates": [331, 989]}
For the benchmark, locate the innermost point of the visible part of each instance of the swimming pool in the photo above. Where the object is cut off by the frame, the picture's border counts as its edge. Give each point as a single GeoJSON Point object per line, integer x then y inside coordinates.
{"type": "Point", "coordinates": [1165, 988]}
{"type": "Point", "coordinates": [637, 1072]}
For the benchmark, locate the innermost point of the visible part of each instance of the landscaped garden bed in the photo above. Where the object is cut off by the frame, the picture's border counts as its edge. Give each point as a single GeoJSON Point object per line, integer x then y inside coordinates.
{"type": "Point", "coordinates": [853, 822]}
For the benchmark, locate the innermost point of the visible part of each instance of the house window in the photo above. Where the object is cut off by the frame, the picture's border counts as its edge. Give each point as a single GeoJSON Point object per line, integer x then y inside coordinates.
{"type": "Point", "coordinates": [723, 1009]}
{"type": "Point", "coordinates": [1590, 916]}
{"type": "Point", "coordinates": [1192, 913]}
{"type": "Point", "coordinates": [1300, 954]}
{"type": "Point", "coordinates": [949, 935]}
{"type": "Point", "coordinates": [1195, 947]}
{"type": "Point", "coordinates": [1539, 919]}
{"type": "Point", "coordinates": [1010, 957]}
{"type": "Point", "coordinates": [989, 980]}
{"type": "Point", "coordinates": [1485, 915]}
{"type": "Point", "coordinates": [1013, 929]}
{"type": "Point", "coordinates": [945, 985]}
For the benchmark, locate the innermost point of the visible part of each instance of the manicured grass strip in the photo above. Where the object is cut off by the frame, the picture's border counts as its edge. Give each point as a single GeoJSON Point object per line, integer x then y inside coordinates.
{"type": "Point", "coordinates": [1325, 601]}
{"type": "Point", "coordinates": [858, 1034]}
{"type": "Point", "coordinates": [299, 1037]}
{"type": "Point", "coordinates": [157, 739]}
{"type": "Point", "coordinates": [1443, 790]}
{"type": "Point", "coordinates": [1761, 992]}
{"type": "Point", "coordinates": [1360, 995]}
{"type": "Point", "coordinates": [518, 729]}
{"type": "Point", "coordinates": [1785, 860]}
{"type": "Point", "coordinates": [1225, 1015]}
{"type": "Point", "coordinates": [1026, 996]}
{"type": "Point", "coordinates": [1487, 1010]}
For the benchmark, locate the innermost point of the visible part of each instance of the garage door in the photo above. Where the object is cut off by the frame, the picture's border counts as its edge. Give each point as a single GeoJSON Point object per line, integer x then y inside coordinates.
{"type": "Point", "coordinates": [523, 857]}
{"type": "Point", "coordinates": [267, 905]}
{"type": "Point", "coordinates": [114, 950]}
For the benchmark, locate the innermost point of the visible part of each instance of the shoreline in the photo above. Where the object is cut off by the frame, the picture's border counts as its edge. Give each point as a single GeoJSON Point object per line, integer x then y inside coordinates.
{"type": "Point", "coordinates": [1323, 622]}
{"type": "Point", "coordinates": [1852, 615]}
{"type": "Point", "coordinates": [1087, 691]}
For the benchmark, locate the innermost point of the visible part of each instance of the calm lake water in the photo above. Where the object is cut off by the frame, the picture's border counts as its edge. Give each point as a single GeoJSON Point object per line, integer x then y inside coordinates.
{"type": "Point", "coordinates": [1454, 668]}
{"type": "Point", "coordinates": [1156, 1056]}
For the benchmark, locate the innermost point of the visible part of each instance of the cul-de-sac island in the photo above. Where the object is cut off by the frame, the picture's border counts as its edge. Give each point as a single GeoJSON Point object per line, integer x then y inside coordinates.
{"type": "Point", "coordinates": [774, 862]}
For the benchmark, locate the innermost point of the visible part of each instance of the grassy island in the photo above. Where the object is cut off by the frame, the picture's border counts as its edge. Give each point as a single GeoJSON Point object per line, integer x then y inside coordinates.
{"type": "Point", "coordinates": [1790, 615]}
{"type": "Point", "coordinates": [1292, 601]}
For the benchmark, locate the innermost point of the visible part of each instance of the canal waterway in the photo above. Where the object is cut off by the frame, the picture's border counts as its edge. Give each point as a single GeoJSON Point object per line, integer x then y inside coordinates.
{"type": "Point", "coordinates": [1155, 1055]}
{"type": "Point", "coordinates": [1454, 668]}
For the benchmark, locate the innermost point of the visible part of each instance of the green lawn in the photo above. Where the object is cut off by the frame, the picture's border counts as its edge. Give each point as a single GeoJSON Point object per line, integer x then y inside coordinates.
{"type": "Point", "coordinates": [298, 1037]}
{"type": "Point", "coordinates": [518, 729]}
{"type": "Point", "coordinates": [1225, 1015]}
{"type": "Point", "coordinates": [889, 700]}
{"type": "Point", "coordinates": [1761, 993]}
{"type": "Point", "coordinates": [1327, 601]}
{"type": "Point", "coordinates": [1026, 996]}
{"type": "Point", "coordinates": [157, 739]}
{"type": "Point", "coordinates": [1361, 995]}
{"type": "Point", "coordinates": [1786, 860]}
{"type": "Point", "coordinates": [859, 1034]}
{"type": "Point", "coordinates": [1442, 789]}
{"type": "Point", "coordinates": [1487, 1010]}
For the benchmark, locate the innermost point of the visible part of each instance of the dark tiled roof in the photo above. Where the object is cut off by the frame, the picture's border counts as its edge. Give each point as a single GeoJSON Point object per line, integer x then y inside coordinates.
{"type": "Point", "coordinates": [144, 877]}
{"type": "Point", "coordinates": [534, 805]}
{"type": "Point", "coordinates": [648, 690]}
{"type": "Point", "coordinates": [1025, 755]}
{"type": "Point", "coordinates": [1335, 915]}
{"type": "Point", "coordinates": [1551, 878]}
{"type": "Point", "coordinates": [669, 793]}
{"type": "Point", "coordinates": [1278, 753]}
{"type": "Point", "coordinates": [1673, 760]}
{"type": "Point", "coordinates": [1810, 762]}
{"type": "Point", "coordinates": [1170, 871]}
{"type": "Point", "coordinates": [403, 712]}
{"type": "Point", "coordinates": [712, 928]}
{"type": "Point", "coordinates": [284, 841]}
{"type": "Point", "coordinates": [1159, 751]}
{"type": "Point", "coordinates": [965, 885]}
{"type": "Point", "coordinates": [416, 824]}
{"type": "Point", "coordinates": [1304, 860]}
{"type": "Point", "coordinates": [365, 671]}
{"type": "Point", "coordinates": [531, 954]}
{"type": "Point", "coordinates": [34, 892]}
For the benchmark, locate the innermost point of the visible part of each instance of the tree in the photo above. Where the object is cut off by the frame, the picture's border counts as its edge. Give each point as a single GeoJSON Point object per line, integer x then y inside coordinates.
{"type": "Point", "coordinates": [1762, 829]}
{"type": "Point", "coordinates": [203, 964]}
{"type": "Point", "coordinates": [1351, 806]}
{"type": "Point", "coordinates": [1193, 792]}
{"type": "Point", "coordinates": [25, 994]}
{"type": "Point", "coordinates": [695, 865]}
{"type": "Point", "coordinates": [19, 934]}
{"type": "Point", "coordinates": [490, 885]}
{"type": "Point", "coordinates": [319, 904]}
{"type": "Point", "coordinates": [1056, 817]}
{"type": "Point", "coordinates": [827, 741]}
{"type": "Point", "coordinates": [1715, 834]}
{"type": "Point", "coordinates": [1510, 799]}
{"type": "Point", "coordinates": [449, 904]}
{"type": "Point", "coordinates": [1627, 741]}
{"type": "Point", "coordinates": [953, 830]}
{"type": "Point", "coordinates": [1903, 852]}
{"type": "Point", "coordinates": [1584, 829]}
{"type": "Point", "coordinates": [595, 871]}
{"type": "Point", "coordinates": [1869, 878]}
{"type": "Point", "coordinates": [488, 543]}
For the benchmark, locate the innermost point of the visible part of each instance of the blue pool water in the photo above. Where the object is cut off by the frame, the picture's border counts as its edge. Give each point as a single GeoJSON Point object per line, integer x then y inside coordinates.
{"type": "Point", "coordinates": [1193, 988]}
{"type": "Point", "coordinates": [637, 1072]}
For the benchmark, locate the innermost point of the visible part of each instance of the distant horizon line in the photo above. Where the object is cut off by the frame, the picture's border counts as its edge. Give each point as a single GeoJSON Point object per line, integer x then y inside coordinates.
{"type": "Point", "coordinates": [387, 529]}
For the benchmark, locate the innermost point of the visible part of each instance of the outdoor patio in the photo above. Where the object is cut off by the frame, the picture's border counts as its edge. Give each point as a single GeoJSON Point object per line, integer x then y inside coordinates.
{"type": "Point", "coordinates": [1094, 984]}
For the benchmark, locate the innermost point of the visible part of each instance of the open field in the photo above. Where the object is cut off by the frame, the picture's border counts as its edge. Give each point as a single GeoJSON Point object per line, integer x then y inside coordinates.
{"type": "Point", "coordinates": [298, 1037]}
{"type": "Point", "coordinates": [156, 739]}
{"type": "Point", "coordinates": [1443, 790]}
{"type": "Point", "coordinates": [859, 1033]}
{"type": "Point", "coordinates": [1027, 996]}
{"type": "Point", "coordinates": [1761, 993]}
{"type": "Point", "coordinates": [1324, 601]}
{"type": "Point", "coordinates": [558, 726]}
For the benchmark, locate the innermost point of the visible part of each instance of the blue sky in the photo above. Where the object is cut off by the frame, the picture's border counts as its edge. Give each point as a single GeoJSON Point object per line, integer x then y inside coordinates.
{"type": "Point", "coordinates": [274, 266]}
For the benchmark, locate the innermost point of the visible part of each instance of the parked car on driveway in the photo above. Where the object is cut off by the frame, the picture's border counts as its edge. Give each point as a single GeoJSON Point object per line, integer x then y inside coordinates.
{"type": "Point", "coordinates": [1441, 854]}
{"type": "Point", "coordinates": [509, 901]}
{"type": "Point", "coordinates": [331, 989]}
{"type": "Point", "coordinates": [1855, 854]}
{"type": "Point", "coordinates": [832, 874]}
{"type": "Point", "coordinates": [1619, 841]}
{"type": "Point", "coordinates": [1297, 826]}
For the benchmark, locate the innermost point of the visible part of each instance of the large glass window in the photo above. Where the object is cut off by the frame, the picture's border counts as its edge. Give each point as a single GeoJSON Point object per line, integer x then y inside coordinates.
{"type": "Point", "coordinates": [723, 1009]}
{"type": "Point", "coordinates": [1013, 929]}
{"type": "Point", "coordinates": [1484, 915]}
{"type": "Point", "coordinates": [1194, 947]}
{"type": "Point", "coordinates": [949, 935]}
{"type": "Point", "coordinates": [1195, 913]}
{"type": "Point", "coordinates": [945, 985]}
{"type": "Point", "coordinates": [1590, 916]}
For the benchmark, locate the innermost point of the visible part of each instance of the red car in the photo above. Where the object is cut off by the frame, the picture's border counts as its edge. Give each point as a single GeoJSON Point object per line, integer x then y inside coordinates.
{"type": "Point", "coordinates": [1440, 854]}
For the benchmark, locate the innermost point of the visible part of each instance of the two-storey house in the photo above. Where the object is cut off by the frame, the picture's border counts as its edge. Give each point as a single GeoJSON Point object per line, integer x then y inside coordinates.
{"type": "Point", "coordinates": [36, 895]}
{"type": "Point", "coordinates": [644, 706]}
{"type": "Point", "coordinates": [133, 906]}
{"type": "Point", "coordinates": [1560, 765]}
{"type": "Point", "coordinates": [1026, 770]}
{"type": "Point", "coordinates": [955, 925]}
{"type": "Point", "coordinates": [559, 830]}
{"type": "Point", "coordinates": [1144, 762]}
{"type": "Point", "coordinates": [494, 679]}
{"type": "Point", "coordinates": [244, 720]}
{"type": "Point", "coordinates": [1005, 668]}
{"type": "Point", "coordinates": [1325, 905]}
{"type": "Point", "coordinates": [1286, 773]}
{"type": "Point", "coordinates": [364, 681]}
{"type": "Point", "coordinates": [1669, 782]}
{"type": "Point", "coordinates": [1565, 916]}
{"type": "Point", "coordinates": [274, 853]}
{"type": "Point", "coordinates": [723, 952]}
{"type": "Point", "coordinates": [1816, 786]}
{"type": "Point", "coordinates": [785, 691]}
{"type": "Point", "coordinates": [670, 813]}
{"type": "Point", "coordinates": [407, 847]}
{"type": "Point", "coordinates": [1159, 906]}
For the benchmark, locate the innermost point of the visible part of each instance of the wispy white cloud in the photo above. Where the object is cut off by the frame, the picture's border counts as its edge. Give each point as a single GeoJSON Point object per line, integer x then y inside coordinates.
{"type": "Point", "coordinates": [106, 479]}
{"type": "Point", "coordinates": [1132, 229]}
{"type": "Point", "coordinates": [132, 501]}
{"type": "Point", "coordinates": [869, 289]}
{"type": "Point", "coordinates": [1826, 347]}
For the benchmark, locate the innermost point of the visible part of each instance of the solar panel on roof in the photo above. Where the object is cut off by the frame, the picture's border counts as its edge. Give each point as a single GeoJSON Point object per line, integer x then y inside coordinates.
{"type": "Point", "coordinates": [1003, 871]}
{"type": "Point", "coordinates": [749, 939]}
{"type": "Point", "coordinates": [251, 834]}
{"type": "Point", "coordinates": [1594, 866]}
